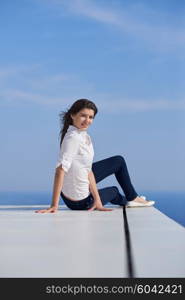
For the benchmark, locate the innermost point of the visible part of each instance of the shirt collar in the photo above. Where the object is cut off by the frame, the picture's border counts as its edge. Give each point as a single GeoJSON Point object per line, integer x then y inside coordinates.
{"type": "Point", "coordinates": [73, 128]}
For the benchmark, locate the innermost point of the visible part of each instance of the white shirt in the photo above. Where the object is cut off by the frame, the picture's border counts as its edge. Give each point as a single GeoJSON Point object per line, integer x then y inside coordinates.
{"type": "Point", "coordinates": [76, 157]}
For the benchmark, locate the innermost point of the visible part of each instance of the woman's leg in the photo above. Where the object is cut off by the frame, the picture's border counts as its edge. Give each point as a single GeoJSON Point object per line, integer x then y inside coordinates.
{"type": "Point", "coordinates": [111, 194]}
{"type": "Point", "coordinates": [115, 165]}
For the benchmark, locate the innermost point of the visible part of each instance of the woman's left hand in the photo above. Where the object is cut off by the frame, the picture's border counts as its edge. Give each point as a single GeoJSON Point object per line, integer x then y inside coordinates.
{"type": "Point", "coordinates": [99, 207]}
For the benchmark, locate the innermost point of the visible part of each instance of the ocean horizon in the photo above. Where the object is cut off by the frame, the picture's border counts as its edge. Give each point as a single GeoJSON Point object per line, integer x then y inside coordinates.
{"type": "Point", "coordinates": [171, 203]}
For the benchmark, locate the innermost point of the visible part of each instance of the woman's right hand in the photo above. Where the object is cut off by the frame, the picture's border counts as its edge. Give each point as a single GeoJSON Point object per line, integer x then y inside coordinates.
{"type": "Point", "coordinates": [99, 207]}
{"type": "Point", "coordinates": [52, 209]}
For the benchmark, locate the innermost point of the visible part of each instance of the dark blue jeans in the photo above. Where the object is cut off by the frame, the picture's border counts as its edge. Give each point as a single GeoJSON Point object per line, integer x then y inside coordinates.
{"type": "Point", "coordinates": [113, 165]}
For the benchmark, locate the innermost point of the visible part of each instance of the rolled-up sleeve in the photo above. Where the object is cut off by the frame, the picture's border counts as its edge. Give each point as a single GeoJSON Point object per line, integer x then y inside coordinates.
{"type": "Point", "coordinates": [69, 149]}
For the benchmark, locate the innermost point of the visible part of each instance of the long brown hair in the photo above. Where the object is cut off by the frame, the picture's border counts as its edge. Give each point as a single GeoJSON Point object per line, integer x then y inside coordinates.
{"type": "Point", "coordinates": [65, 116]}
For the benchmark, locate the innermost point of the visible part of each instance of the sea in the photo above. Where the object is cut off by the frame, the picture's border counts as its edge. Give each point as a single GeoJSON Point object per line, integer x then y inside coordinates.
{"type": "Point", "coordinates": [171, 203]}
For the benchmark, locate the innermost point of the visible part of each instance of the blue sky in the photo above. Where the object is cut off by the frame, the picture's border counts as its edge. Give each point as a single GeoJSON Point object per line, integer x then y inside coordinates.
{"type": "Point", "coordinates": [127, 56]}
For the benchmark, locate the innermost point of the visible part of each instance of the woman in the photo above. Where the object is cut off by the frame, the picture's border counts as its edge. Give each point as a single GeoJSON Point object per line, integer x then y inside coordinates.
{"type": "Point", "coordinates": [76, 176]}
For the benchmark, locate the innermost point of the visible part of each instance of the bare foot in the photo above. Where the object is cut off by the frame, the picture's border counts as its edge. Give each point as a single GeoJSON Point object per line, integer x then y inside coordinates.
{"type": "Point", "coordinates": [140, 200]}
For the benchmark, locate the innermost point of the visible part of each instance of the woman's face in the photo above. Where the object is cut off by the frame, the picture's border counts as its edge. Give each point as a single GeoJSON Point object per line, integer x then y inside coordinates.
{"type": "Point", "coordinates": [83, 118]}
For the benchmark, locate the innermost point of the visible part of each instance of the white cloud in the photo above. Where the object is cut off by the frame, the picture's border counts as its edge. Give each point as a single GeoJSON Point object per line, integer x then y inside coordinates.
{"type": "Point", "coordinates": [31, 85]}
{"type": "Point", "coordinates": [45, 82]}
{"type": "Point", "coordinates": [112, 107]}
{"type": "Point", "coordinates": [139, 21]}
{"type": "Point", "coordinates": [20, 96]}
{"type": "Point", "coordinates": [131, 105]}
{"type": "Point", "coordinates": [8, 71]}
{"type": "Point", "coordinates": [90, 9]}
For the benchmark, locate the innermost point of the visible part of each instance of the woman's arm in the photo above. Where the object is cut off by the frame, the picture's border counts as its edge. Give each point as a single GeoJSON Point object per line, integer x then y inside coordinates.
{"type": "Point", "coordinates": [57, 187]}
{"type": "Point", "coordinates": [94, 191]}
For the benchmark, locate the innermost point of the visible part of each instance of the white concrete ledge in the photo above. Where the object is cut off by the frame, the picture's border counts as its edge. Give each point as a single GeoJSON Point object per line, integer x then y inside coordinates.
{"type": "Point", "coordinates": [88, 244]}
{"type": "Point", "coordinates": [158, 244]}
{"type": "Point", "coordinates": [65, 244]}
